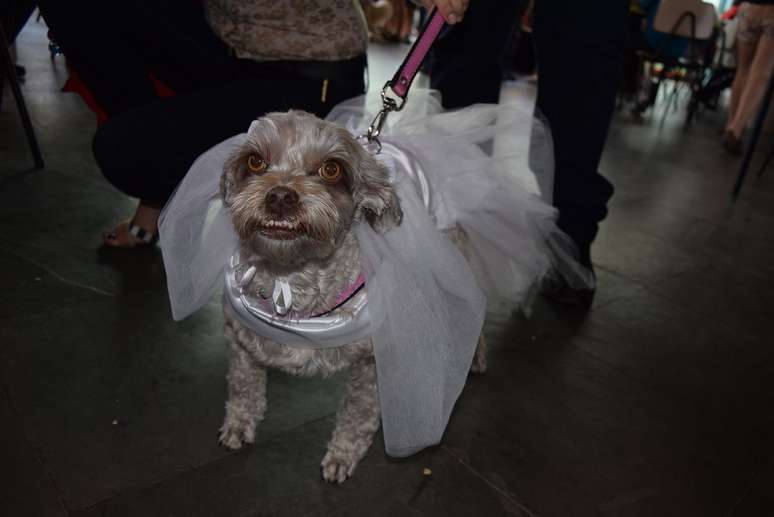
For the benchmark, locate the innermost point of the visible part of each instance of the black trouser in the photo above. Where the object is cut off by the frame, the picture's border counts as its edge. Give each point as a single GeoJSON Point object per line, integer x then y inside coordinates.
{"type": "Point", "coordinates": [146, 151]}
{"type": "Point", "coordinates": [579, 53]}
{"type": "Point", "coordinates": [147, 145]}
{"type": "Point", "coordinates": [466, 64]}
{"type": "Point", "coordinates": [580, 49]}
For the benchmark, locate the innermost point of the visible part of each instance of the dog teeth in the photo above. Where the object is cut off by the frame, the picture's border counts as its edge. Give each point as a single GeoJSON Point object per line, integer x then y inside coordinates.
{"type": "Point", "coordinates": [285, 225]}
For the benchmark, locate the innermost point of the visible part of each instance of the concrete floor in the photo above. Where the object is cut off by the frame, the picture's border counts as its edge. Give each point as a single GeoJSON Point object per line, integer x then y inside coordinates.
{"type": "Point", "coordinates": [655, 404]}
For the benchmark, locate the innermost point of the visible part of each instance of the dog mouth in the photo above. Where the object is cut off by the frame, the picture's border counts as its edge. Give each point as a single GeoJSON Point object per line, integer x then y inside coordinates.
{"type": "Point", "coordinates": [281, 230]}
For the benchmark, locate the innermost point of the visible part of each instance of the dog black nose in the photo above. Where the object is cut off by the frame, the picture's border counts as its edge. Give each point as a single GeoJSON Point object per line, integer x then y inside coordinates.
{"type": "Point", "coordinates": [281, 200]}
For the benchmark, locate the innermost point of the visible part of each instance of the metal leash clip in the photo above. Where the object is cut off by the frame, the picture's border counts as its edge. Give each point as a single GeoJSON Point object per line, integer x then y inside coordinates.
{"type": "Point", "coordinates": [401, 82]}
{"type": "Point", "coordinates": [389, 104]}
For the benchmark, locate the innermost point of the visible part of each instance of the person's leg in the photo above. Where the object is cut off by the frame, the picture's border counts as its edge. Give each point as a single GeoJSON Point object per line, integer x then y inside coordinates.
{"type": "Point", "coordinates": [757, 79]}
{"type": "Point", "coordinates": [466, 63]}
{"type": "Point", "coordinates": [147, 151]}
{"type": "Point", "coordinates": [180, 48]}
{"type": "Point", "coordinates": [113, 51]}
{"type": "Point", "coordinates": [93, 38]}
{"type": "Point", "coordinates": [579, 54]}
{"type": "Point", "coordinates": [745, 55]}
{"type": "Point", "coordinates": [140, 230]}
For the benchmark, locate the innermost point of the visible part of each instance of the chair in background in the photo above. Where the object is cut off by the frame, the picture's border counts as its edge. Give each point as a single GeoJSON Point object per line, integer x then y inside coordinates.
{"type": "Point", "coordinates": [692, 22]}
{"type": "Point", "coordinates": [720, 75]}
{"type": "Point", "coordinates": [11, 14]}
{"type": "Point", "coordinates": [692, 19]}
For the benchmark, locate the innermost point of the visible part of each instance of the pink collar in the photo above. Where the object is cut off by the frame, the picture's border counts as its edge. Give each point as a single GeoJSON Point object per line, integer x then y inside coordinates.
{"type": "Point", "coordinates": [346, 294]}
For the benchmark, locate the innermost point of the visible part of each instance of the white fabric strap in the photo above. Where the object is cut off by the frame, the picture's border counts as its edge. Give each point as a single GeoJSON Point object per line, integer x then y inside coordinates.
{"type": "Point", "coordinates": [283, 296]}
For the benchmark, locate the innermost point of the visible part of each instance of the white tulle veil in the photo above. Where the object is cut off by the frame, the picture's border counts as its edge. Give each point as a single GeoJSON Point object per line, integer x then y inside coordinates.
{"type": "Point", "coordinates": [486, 169]}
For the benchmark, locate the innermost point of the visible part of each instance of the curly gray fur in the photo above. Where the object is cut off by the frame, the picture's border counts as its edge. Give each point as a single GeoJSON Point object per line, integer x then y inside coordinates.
{"type": "Point", "coordinates": [319, 262]}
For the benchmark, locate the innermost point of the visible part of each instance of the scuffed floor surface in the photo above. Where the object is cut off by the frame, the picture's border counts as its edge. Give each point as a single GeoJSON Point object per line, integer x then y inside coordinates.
{"type": "Point", "coordinates": [659, 403]}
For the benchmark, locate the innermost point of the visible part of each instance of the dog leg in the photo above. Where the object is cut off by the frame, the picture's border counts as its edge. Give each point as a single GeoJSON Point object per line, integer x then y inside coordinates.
{"type": "Point", "coordinates": [356, 424]}
{"type": "Point", "coordinates": [460, 239]}
{"type": "Point", "coordinates": [479, 360]}
{"type": "Point", "coordinates": [246, 402]}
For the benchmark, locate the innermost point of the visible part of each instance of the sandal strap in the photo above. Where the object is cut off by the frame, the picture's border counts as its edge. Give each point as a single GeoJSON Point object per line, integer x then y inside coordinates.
{"type": "Point", "coordinates": [142, 234]}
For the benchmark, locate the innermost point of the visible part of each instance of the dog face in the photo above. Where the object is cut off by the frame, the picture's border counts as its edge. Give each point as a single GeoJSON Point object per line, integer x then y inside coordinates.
{"type": "Point", "coordinates": [298, 183]}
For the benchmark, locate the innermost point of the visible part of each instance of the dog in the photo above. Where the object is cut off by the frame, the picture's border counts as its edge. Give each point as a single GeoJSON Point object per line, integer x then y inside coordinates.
{"type": "Point", "coordinates": [294, 192]}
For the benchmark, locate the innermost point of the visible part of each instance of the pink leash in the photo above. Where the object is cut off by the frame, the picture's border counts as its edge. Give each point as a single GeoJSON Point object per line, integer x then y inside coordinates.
{"type": "Point", "coordinates": [403, 78]}
{"type": "Point", "coordinates": [401, 81]}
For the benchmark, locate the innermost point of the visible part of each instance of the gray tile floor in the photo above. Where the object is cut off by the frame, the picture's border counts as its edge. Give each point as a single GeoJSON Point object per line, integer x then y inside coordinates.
{"type": "Point", "coordinates": [657, 404]}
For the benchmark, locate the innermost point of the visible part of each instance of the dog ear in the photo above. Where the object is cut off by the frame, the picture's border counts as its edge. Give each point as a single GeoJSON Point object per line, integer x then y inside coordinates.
{"type": "Point", "coordinates": [229, 177]}
{"type": "Point", "coordinates": [374, 195]}
{"type": "Point", "coordinates": [234, 167]}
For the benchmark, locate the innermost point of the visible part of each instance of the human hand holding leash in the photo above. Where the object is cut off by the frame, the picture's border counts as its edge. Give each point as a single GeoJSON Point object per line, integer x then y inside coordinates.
{"type": "Point", "coordinates": [452, 10]}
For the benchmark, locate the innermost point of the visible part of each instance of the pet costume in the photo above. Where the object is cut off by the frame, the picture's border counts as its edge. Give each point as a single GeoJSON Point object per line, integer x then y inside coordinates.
{"type": "Point", "coordinates": [486, 168]}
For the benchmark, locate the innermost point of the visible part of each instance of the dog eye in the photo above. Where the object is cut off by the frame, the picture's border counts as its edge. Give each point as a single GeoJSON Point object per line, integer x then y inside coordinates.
{"type": "Point", "coordinates": [330, 172]}
{"type": "Point", "coordinates": [256, 163]}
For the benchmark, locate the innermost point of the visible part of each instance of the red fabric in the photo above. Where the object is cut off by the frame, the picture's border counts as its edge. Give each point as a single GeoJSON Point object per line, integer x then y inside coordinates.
{"type": "Point", "coordinates": [730, 14]}
{"type": "Point", "coordinates": [162, 90]}
{"type": "Point", "coordinates": [75, 85]}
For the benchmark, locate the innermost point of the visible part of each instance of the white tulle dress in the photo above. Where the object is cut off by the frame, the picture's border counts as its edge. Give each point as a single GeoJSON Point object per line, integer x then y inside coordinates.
{"type": "Point", "coordinates": [487, 169]}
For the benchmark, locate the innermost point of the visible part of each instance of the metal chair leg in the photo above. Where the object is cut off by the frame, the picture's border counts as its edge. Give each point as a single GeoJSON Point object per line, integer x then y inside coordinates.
{"type": "Point", "coordinates": [2, 85]}
{"type": "Point", "coordinates": [766, 163]}
{"type": "Point", "coordinates": [10, 72]}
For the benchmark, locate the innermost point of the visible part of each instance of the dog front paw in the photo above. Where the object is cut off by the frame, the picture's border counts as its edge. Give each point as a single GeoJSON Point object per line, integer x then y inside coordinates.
{"type": "Point", "coordinates": [337, 467]}
{"type": "Point", "coordinates": [233, 435]}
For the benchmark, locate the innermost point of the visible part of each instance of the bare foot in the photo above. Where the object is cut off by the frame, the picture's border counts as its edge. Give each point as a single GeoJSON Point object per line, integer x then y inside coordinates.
{"type": "Point", "coordinates": [141, 230]}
